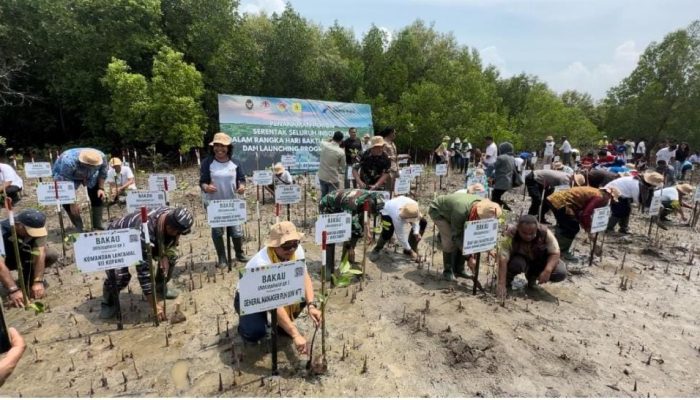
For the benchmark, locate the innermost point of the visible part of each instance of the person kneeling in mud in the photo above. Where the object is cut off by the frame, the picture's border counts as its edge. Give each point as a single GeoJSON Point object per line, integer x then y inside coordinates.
{"type": "Point", "coordinates": [532, 249]}
{"type": "Point", "coordinates": [450, 213]}
{"type": "Point", "coordinates": [165, 225]}
{"type": "Point", "coordinates": [350, 201]}
{"type": "Point", "coordinates": [396, 213]}
{"type": "Point", "coordinates": [283, 244]}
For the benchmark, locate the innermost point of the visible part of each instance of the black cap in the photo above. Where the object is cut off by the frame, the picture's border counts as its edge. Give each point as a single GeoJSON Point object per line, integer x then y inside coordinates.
{"type": "Point", "coordinates": [34, 222]}
{"type": "Point", "coordinates": [181, 219]}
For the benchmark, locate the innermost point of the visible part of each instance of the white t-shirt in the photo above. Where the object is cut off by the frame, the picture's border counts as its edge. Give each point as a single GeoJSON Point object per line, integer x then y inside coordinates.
{"type": "Point", "coordinates": [124, 175]}
{"type": "Point", "coordinates": [283, 179]}
{"type": "Point", "coordinates": [9, 174]}
{"type": "Point", "coordinates": [565, 147]}
{"type": "Point", "coordinates": [641, 148]}
{"type": "Point", "coordinates": [668, 194]}
{"type": "Point", "coordinates": [392, 208]}
{"type": "Point", "coordinates": [490, 154]}
{"type": "Point", "coordinates": [665, 154]}
{"type": "Point", "coordinates": [628, 186]}
{"type": "Point", "coordinates": [223, 176]}
{"type": "Point", "coordinates": [261, 258]}
{"type": "Point", "coordinates": [519, 163]}
{"type": "Point", "coordinates": [548, 148]}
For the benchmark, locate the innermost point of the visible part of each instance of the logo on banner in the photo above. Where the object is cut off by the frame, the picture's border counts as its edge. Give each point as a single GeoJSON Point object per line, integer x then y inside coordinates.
{"type": "Point", "coordinates": [249, 104]}
{"type": "Point", "coordinates": [296, 107]}
{"type": "Point", "coordinates": [282, 106]}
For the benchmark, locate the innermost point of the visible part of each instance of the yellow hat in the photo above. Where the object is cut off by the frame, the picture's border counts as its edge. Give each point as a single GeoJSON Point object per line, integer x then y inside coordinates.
{"type": "Point", "coordinates": [487, 209]}
{"type": "Point", "coordinates": [579, 180]}
{"type": "Point", "coordinates": [282, 233]}
{"type": "Point", "coordinates": [90, 157]}
{"type": "Point", "coordinates": [221, 138]}
{"type": "Point", "coordinates": [115, 162]}
{"type": "Point", "coordinates": [377, 141]}
{"type": "Point", "coordinates": [410, 211]}
{"type": "Point", "coordinates": [653, 178]}
{"type": "Point", "coordinates": [549, 139]}
{"type": "Point", "coordinates": [278, 168]}
{"type": "Point", "coordinates": [684, 188]}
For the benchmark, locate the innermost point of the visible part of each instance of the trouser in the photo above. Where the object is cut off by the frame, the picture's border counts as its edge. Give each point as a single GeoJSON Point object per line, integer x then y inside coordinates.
{"type": "Point", "coordinates": [567, 226]}
{"type": "Point", "coordinates": [666, 209]}
{"type": "Point", "coordinates": [388, 231]}
{"type": "Point", "coordinates": [350, 184]}
{"type": "Point", "coordinates": [327, 187]}
{"type": "Point", "coordinates": [548, 159]}
{"type": "Point", "coordinates": [118, 279]}
{"type": "Point", "coordinates": [518, 264]}
{"type": "Point", "coordinates": [445, 229]}
{"type": "Point", "coordinates": [620, 212]}
{"type": "Point", "coordinates": [566, 158]}
{"type": "Point", "coordinates": [95, 203]}
{"type": "Point", "coordinates": [496, 195]}
{"type": "Point", "coordinates": [25, 258]}
{"type": "Point", "coordinates": [253, 327]}
{"type": "Point", "coordinates": [534, 189]}
{"type": "Point", "coordinates": [233, 231]}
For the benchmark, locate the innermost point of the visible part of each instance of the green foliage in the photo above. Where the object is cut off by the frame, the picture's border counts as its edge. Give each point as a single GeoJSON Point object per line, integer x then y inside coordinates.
{"type": "Point", "coordinates": [345, 273]}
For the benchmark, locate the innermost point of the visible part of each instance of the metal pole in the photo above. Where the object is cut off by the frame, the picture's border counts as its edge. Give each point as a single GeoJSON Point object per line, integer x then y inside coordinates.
{"type": "Point", "coordinates": [590, 257]}
{"type": "Point", "coordinates": [274, 342]}
{"type": "Point", "coordinates": [60, 219]}
{"type": "Point", "coordinates": [324, 238]}
{"type": "Point", "coordinates": [149, 260]}
{"type": "Point", "coordinates": [476, 283]}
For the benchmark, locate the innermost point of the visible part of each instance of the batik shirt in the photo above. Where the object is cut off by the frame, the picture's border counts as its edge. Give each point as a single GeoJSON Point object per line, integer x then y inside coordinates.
{"type": "Point", "coordinates": [69, 168]}
{"type": "Point", "coordinates": [371, 167]}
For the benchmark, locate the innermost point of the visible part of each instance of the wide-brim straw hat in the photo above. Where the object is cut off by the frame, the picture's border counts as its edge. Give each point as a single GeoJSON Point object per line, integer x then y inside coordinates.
{"type": "Point", "coordinates": [221, 138]}
{"type": "Point", "coordinates": [488, 209]}
{"type": "Point", "coordinates": [653, 178]}
{"type": "Point", "coordinates": [278, 168]}
{"type": "Point", "coordinates": [549, 139]}
{"type": "Point", "coordinates": [475, 188]}
{"type": "Point", "coordinates": [409, 211]}
{"type": "Point", "coordinates": [446, 138]}
{"type": "Point", "coordinates": [90, 157]}
{"type": "Point", "coordinates": [377, 141]}
{"type": "Point", "coordinates": [579, 180]}
{"type": "Point", "coordinates": [115, 162]}
{"type": "Point", "coordinates": [684, 188]}
{"type": "Point", "coordinates": [281, 233]}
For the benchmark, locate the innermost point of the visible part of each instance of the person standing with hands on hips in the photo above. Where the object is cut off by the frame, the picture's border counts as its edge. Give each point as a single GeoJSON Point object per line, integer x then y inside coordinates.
{"type": "Point", "coordinates": [222, 178]}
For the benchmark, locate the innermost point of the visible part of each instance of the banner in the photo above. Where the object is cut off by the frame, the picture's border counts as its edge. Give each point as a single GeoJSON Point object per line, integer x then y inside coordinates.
{"type": "Point", "coordinates": [274, 127]}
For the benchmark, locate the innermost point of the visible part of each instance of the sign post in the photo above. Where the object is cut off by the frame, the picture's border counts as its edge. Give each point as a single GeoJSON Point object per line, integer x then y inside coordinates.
{"type": "Point", "coordinates": [267, 287]}
{"type": "Point", "coordinates": [440, 170]}
{"type": "Point", "coordinates": [479, 236]}
{"type": "Point", "coordinates": [135, 199]}
{"type": "Point", "coordinates": [599, 223]}
{"type": "Point", "coordinates": [261, 179]}
{"type": "Point", "coordinates": [654, 209]}
{"type": "Point", "coordinates": [149, 260]}
{"type": "Point", "coordinates": [37, 170]}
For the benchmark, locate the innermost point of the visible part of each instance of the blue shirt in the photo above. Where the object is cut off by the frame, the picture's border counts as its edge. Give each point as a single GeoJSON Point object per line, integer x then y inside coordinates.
{"type": "Point", "coordinates": [68, 168]}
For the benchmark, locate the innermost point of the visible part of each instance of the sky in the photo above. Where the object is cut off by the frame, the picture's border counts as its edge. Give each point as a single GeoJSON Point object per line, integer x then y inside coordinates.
{"type": "Point", "coordinates": [586, 45]}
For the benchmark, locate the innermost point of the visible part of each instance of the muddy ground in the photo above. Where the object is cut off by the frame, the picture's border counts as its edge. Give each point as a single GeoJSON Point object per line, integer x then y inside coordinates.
{"type": "Point", "coordinates": [610, 330]}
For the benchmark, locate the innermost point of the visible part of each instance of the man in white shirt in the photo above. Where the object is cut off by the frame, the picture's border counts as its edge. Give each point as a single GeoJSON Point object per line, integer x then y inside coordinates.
{"type": "Point", "coordinates": [641, 149]}
{"type": "Point", "coordinates": [565, 150]}
{"type": "Point", "coordinates": [120, 178]}
{"type": "Point", "coordinates": [396, 214]}
{"type": "Point", "coordinates": [632, 190]}
{"type": "Point", "coordinates": [490, 155]}
{"type": "Point", "coordinates": [666, 154]}
{"type": "Point", "coordinates": [13, 183]}
{"type": "Point", "coordinates": [548, 149]}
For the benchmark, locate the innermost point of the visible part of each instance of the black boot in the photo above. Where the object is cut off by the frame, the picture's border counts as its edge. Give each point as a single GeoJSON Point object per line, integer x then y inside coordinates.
{"type": "Point", "coordinates": [77, 222]}
{"type": "Point", "coordinates": [222, 261]}
{"type": "Point", "coordinates": [109, 306]}
{"type": "Point", "coordinates": [374, 254]}
{"type": "Point", "coordinates": [458, 262]}
{"type": "Point", "coordinates": [447, 273]}
{"type": "Point", "coordinates": [625, 225]}
{"type": "Point", "coordinates": [96, 218]}
{"type": "Point", "coordinates": [238, 247]}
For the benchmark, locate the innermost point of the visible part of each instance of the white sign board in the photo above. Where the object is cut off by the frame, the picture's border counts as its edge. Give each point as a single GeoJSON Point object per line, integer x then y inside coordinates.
{"type": "Point", "coordinates": [655, 206]}
{"type": "Point", "coordinates": [262, 177]}
{"type": "Point", "coordinates": [271, 286]}
{"type": "Point", "coordinates": [599, 221]}
{"type": "Point", "coordinates": [480, 236]}
{"type": "Point", "coordinates": [157, 182]}
{"type": "Point", "coordinates": [337, 226]}
{"type": "Point", "coordinates": [46, 193]}
{"type": "Point", "coordinates": [348, 174]}
{"type": "Point", "coordinates": [135, 199]}
{"type": "Point", "coordinates": [547, 166]}
{"type": "Point", "coordinates": [559, 188]}
{"type": "Point", "coordinates": [696, 196]}
{"type": "Point", "coordinates": [289, 160]}
{"type": "Point", "coordinates": [37, 170]}
{"type": "Point", "coordinates": [104, 250]}
{"type": "Point", "coordinates": [403, 185]}
{"type": "Point", "coordinates": [222, 213]}
{"type": "Point", "coordinates": [287, 194]}
{"type": "Point", "coordinates": [417, 170]}
{"type": "Point", "coordinates": [441, 169]}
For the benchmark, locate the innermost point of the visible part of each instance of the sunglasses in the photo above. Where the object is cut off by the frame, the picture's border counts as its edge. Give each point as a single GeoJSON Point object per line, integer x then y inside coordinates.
{"type": "Point", "coordinates": [290, 245]}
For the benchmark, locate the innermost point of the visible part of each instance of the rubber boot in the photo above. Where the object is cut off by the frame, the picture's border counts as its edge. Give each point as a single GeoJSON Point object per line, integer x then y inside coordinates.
{"type": "Point", "coordinates": [170, 292]}
{"type": "Point", "coordinates": [612, 221]}
{"type": "Point", "coordinates": [374, 254]}
{"type": "Point", "coordinates": [238, 247]}
{"type": "Point", "coordinates": [222, 261]}
{"type": "Point", "coordinates": [564, 246]}
{"type": "Point", "coordinates": [458, 262]}
{"type": "Point", "coordinates": [625, 225]}
{"type": "Point", "coordinates": [77, 222]}
{"type": "Point", "coordinates": [447, 273]}
{"type": "Point", "coordinates": [108, 307]}
{"type": "Point", "coordinates": [96, 218]}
